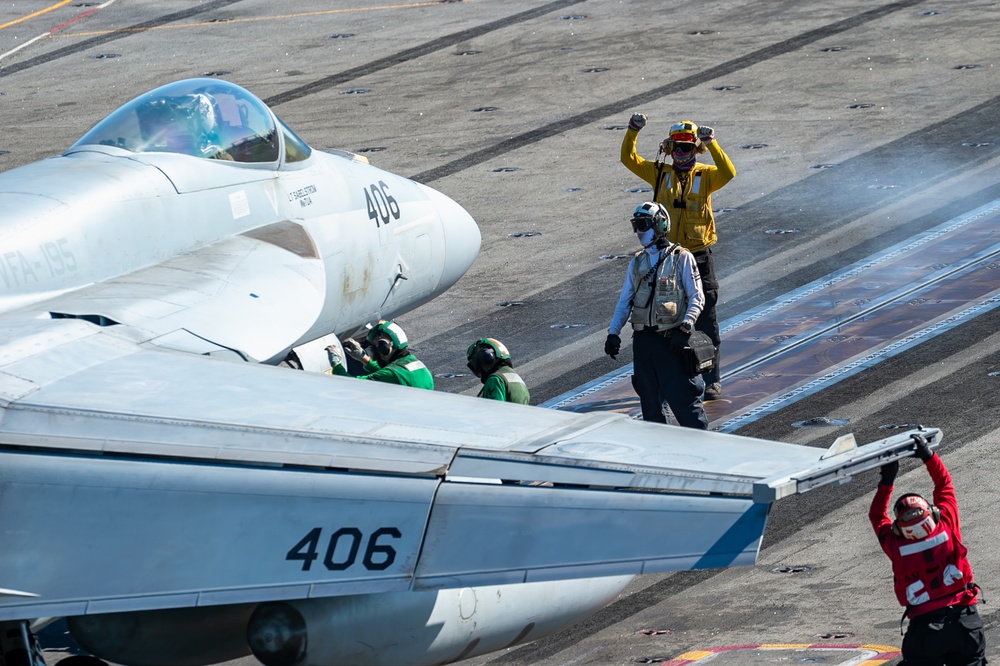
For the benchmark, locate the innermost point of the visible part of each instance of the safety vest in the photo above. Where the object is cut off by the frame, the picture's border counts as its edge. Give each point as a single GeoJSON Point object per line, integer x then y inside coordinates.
{"type": "Point", "coordinates": [933, 571]}
{"type": "Point", "coordinates": [689, 205]}
{"type": "Point", "coordinates": [515, 390]}
{"type": "Point", "coordinates": [659, 301]}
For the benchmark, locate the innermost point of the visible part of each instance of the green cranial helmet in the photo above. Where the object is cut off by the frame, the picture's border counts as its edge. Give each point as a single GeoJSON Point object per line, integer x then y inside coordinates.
{"type": "Point", "coordinates": [391, 330]}
{"type": "Point", "coordinates": [484, 355]}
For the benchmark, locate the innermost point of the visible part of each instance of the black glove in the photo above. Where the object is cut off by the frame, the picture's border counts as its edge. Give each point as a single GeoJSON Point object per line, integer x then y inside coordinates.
{"type": "Point", "coordinates": [679, 340]}
{"type": "Point", "coordinates": [922, 448]}
{"type": "Point", "coordinates": [889, 471]}
{"type": "Point", "coordinates": [612, 345]}
{"type": "Point", "coordinates": [637, 121]}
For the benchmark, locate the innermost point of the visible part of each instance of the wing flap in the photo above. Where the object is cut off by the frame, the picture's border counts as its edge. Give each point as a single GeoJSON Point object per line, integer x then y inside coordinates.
{"type": "Point", "coordinates": [488, 534]}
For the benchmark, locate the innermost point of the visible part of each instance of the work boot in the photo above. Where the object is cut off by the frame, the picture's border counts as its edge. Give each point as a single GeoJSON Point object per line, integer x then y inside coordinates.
{"type": "Point", "coordinates": [713, 391]}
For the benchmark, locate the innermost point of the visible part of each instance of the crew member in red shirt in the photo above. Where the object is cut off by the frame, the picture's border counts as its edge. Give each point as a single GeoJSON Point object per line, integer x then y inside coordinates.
{"type": "Point", "coordinates": [931, 573]}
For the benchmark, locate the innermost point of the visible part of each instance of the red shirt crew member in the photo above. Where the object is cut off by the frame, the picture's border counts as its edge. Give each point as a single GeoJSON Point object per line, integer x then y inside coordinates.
{"type": "Point", "coordinates": [931, 573]}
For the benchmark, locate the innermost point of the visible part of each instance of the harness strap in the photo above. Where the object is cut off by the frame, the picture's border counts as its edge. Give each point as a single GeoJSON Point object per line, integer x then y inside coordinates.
{"type": "Point", "coordinates": [970, 586]}
{"type": "Point", "coordinates": [978, 590]}
{"type": "Point", "coordinates": [649, 273]}
{"type": "Point", "coordinates": [659, 179]}
{"type": "Point", "coordinates": [682, 177]}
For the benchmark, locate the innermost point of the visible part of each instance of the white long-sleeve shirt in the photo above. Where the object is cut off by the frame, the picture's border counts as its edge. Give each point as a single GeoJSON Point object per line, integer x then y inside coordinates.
{"type": "Point", "coordinates": [688, 269]}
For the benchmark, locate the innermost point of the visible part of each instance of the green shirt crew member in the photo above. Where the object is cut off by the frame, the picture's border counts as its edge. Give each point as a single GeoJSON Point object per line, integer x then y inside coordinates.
{"type": "Point", "coordinates": [390, 361]}
{"type": "Point", "coordinates": [490, 361]}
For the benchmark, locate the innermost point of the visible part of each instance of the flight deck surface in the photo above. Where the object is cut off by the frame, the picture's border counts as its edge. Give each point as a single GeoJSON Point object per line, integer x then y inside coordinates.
{"type": "Point", "coordinates": [856, 129]}
{"type": "Point", "coordinates": [764, 655]}
{"type": "Point", "coordinates": [838, 325]}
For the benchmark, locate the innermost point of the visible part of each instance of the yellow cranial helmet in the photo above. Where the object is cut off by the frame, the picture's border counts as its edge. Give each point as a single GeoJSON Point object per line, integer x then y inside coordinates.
{"type": "Point", "coordinates": [685, 131]}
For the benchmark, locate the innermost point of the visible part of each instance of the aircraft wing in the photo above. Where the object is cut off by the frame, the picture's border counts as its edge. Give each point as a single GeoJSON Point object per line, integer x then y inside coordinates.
{"type": "Point", "coordinates": [270, 283]}
{"type": "Point", "coordinates": [135, 479]}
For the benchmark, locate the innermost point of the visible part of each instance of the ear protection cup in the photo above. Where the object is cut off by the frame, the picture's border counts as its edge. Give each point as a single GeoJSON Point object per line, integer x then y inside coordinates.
{"type": "Point", "coordinates": [382, 347]}
{"type": "Point", "coordinates": [484, 355]}
{"type": "Point", "coordinates": [662, 226]}
{"type": "Point", "coordinates": [652, 214]}
{"type": "Point", "coordinates": [397, 338]}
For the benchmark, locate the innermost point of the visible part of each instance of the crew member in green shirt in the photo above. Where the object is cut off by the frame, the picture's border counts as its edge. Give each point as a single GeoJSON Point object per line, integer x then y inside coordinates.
{"type": "Point", "coordinates": [490, 361]}
{"type": "Point", "coordinates": [387, 358]}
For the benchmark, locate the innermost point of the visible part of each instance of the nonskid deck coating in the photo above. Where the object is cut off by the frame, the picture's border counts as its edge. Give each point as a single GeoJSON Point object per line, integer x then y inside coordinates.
{"type": "Point", "coordinates": [836, 326]}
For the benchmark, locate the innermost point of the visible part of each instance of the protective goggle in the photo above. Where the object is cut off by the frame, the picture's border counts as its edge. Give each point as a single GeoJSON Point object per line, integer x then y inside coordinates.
{"type": "Point", "coordinates": [641, 223]}
{"type": "Point", "coordinates": [481, 357]}
{"type": "Point", "coordinates": [682, 146]}
{"type": "Point", "coordinates": [380, 345]}
{"type": "Point", "coordinates": [913, 514]}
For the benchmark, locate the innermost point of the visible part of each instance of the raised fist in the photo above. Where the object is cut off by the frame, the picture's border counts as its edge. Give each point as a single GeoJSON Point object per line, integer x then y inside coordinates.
{"type": "Point", "coordinates": [706, 134]}
{"type": "Point", "coordinates": [637, 121]}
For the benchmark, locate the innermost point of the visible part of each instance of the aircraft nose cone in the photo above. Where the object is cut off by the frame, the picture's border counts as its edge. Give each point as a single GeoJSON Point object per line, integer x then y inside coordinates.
{"type": "Point", "coordinates": [461, 238]}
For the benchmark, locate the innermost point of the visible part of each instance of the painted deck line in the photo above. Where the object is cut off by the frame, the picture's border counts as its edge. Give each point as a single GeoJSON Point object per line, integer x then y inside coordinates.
{"type": "Point", "coordinates": [855, 655]}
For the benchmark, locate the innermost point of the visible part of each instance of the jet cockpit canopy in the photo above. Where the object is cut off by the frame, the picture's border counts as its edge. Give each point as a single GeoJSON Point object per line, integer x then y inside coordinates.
{"type": "Point", "coordinates": [205, 118]}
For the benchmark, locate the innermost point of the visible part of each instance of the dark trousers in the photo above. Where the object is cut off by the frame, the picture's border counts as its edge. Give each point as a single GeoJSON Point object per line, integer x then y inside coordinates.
{"type": "Point", "coordinates": [708, 321]}
{"type": "Point", "coordinates": [951, 637]}
{"type": "Point", "coordinates": [658, 377]}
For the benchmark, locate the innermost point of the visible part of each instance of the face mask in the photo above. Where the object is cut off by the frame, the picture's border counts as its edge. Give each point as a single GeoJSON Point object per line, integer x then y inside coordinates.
{"type": "Point", "coordinates": [683, 161]}
{"type": "Point", "coordinates": [646, 237]}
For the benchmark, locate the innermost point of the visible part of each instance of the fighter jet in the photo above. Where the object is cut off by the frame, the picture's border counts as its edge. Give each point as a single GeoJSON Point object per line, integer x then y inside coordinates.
{"type": "Point", "coordinates": [195, 200]}
{"type": "Point", "coordinates": [181, 500]}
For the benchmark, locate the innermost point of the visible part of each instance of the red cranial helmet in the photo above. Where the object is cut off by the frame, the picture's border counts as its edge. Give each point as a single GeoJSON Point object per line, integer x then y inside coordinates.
{"type": "Point", "coordinates": [915, 518]}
